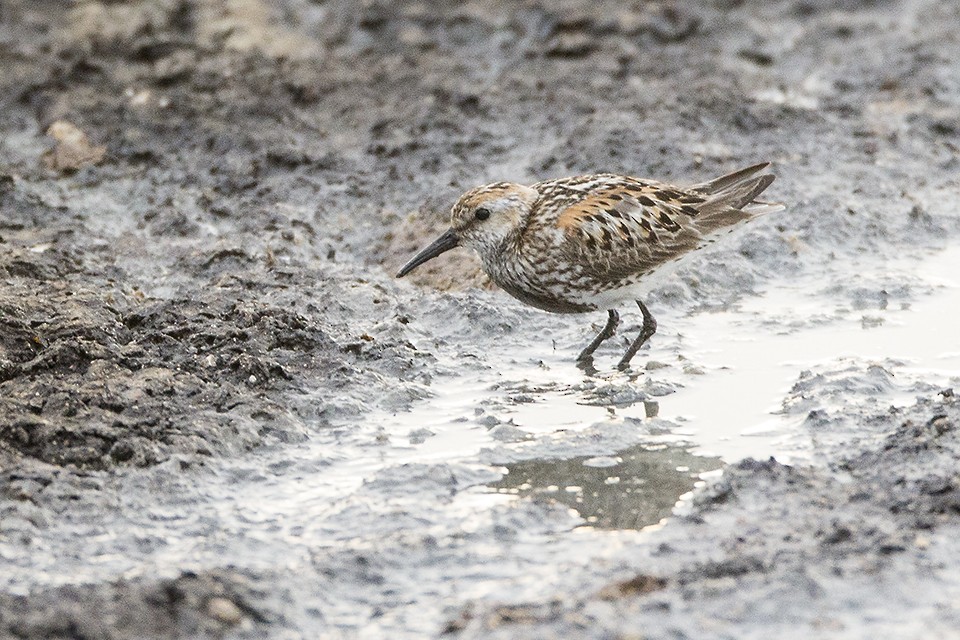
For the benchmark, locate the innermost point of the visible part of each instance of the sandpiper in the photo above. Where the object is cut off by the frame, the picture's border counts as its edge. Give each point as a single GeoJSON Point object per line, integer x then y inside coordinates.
{"type": "Point", "coordinates": [590, 242]}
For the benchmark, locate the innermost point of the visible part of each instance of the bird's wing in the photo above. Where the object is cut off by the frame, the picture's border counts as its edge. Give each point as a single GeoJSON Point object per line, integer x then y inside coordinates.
{"type": "Point", "coordinates": [616, 226]}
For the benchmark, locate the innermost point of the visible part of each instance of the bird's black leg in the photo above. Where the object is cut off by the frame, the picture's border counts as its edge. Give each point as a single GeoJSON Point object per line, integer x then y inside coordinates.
{"type": "Point", "coordinates": [613, 320]}
{"type": "Point", "coordinates": [649, 328]}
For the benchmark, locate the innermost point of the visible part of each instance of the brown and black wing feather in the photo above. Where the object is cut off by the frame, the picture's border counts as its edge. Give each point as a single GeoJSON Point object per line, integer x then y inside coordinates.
{"type": "Point", "coordinates": [617, 227]}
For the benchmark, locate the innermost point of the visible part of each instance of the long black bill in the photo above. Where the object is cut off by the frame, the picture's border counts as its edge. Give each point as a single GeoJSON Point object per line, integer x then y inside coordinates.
{"type": "Point", "coordinates": [447, 241]}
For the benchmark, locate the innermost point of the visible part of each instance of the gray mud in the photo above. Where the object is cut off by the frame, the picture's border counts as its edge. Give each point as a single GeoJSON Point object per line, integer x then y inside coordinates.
{"type": "Point", "coordinates": [221, 416]}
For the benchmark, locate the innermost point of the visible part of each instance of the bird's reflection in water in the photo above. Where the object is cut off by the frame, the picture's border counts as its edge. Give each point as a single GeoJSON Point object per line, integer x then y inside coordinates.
{"type": "Point", "coordinates": [635, 488]}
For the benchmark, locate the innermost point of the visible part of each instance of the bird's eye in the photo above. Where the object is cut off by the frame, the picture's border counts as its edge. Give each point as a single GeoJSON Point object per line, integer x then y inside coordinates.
{"type": "Point", "coordinates": [482, 213]}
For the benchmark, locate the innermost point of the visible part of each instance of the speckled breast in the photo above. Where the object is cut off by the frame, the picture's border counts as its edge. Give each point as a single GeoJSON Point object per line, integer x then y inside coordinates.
{"type": "Point", "coordinates": [545, 285]}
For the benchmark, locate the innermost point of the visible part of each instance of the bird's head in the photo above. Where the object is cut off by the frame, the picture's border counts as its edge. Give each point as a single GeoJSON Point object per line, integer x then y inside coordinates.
{"type": "Point", "coordinates": [483, 219]}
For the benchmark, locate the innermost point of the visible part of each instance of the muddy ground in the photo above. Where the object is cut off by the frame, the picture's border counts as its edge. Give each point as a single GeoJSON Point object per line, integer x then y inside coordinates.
{"type": "Point", "coordinates": [221, 416]}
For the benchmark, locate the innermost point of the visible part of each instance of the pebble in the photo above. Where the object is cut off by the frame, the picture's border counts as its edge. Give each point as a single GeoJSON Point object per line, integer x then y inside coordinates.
{"type": "Point", "coordinates": [224, 610]}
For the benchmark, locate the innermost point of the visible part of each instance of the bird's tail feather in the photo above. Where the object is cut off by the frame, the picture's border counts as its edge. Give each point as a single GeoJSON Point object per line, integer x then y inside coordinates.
{"type": "Point", "coordinates": [739, 190]}
{"type": "Point", "coordinates": [727, 181]}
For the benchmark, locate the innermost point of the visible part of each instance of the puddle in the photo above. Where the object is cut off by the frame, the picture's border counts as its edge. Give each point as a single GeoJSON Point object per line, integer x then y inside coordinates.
{"type": "Point", "coordinates": [633, 489]}
{"type": "Point", "coordinates": [736, 411]}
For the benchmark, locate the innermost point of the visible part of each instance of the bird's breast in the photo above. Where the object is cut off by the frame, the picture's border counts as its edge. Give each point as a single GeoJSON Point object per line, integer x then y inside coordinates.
{"type": "Point", "coordinates": [544, 282]}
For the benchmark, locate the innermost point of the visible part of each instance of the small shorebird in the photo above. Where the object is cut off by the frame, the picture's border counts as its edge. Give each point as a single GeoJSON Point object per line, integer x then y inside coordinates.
{"type": "Point", "coordinates": [590, 242]}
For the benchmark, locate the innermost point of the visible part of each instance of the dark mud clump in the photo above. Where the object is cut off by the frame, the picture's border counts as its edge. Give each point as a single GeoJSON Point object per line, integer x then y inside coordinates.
{"type": "Point", "coordinates": [191, 605]}
{"type": "Point", "coordinates": [95, 376]}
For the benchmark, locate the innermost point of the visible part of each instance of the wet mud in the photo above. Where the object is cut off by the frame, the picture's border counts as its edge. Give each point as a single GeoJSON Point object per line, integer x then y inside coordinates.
{"type": "Point", "coordinates": [221, 415]}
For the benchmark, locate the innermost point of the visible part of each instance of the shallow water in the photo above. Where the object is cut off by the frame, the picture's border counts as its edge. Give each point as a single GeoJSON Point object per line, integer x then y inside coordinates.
{"type": "Point", "coordinates": [758, 350]}
{"type": "Point", "coordinates": [635, 488]}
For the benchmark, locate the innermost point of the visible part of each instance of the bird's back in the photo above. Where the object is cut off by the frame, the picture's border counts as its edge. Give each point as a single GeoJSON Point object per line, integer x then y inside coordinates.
{"type": "Point", "coordinates": [588, 237]}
